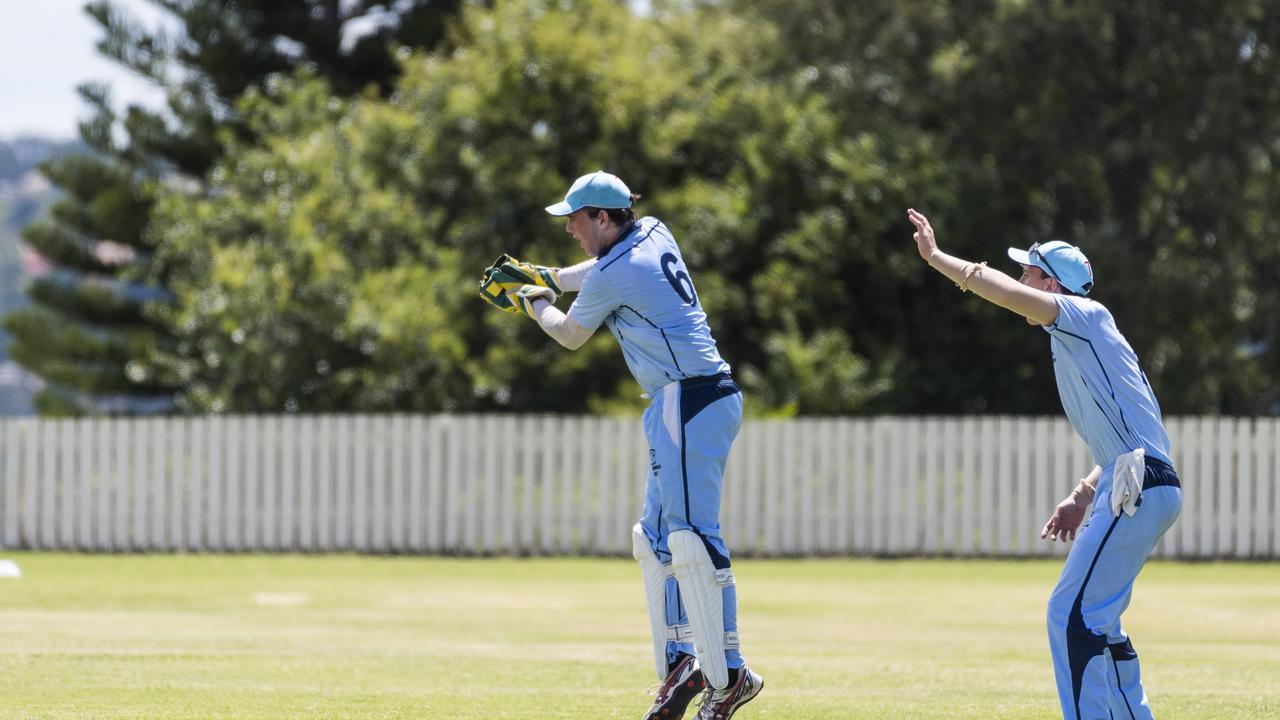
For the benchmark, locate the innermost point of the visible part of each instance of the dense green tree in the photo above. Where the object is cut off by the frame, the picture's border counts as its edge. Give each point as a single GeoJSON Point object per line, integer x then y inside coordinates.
{"type": "Point", "coordinates": [331, 261]}
{"type": "Point", "coordinates": [358, 230]}
{"type": "Point", "coordinates": [87, 334]}
{"type": "Point", "coordinates": [305, 280]}
{"type": "Point", "coordinates": [1145, 132]}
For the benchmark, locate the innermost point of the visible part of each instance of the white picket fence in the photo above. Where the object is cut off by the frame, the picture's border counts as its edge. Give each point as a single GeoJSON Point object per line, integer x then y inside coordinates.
{"type": "Point", "coordinates": [967, 486]}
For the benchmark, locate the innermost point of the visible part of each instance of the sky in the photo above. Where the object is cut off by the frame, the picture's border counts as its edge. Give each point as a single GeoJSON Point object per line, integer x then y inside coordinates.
{"type": "Point", "coordinates": [46, 50]}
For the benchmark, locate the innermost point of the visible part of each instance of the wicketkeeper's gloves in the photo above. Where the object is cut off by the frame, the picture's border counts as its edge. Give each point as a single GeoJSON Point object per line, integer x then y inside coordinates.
{"type": "Point", "coordinates": [523, 298]}
{"type": "Point", "coordinates": [506, 276]}
{"type": "Point", "coordinates": [527, 273]}
{"type": "Point", "coordinates": [494, 289]}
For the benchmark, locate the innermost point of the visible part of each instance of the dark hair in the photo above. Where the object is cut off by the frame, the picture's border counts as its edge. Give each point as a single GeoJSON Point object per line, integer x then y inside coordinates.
{"type": "Point", "coordinates": [618, 216]}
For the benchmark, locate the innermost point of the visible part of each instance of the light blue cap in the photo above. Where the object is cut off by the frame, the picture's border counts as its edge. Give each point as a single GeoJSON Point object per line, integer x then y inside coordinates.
{"type": "Point", "coordinates": [598, 189]}
{"type": "Point", "coordinates": [1061, 261]}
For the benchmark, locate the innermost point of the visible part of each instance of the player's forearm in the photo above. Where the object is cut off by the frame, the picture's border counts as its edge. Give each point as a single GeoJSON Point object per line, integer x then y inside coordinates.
{"type": "Point", "coordinates": [562, 328]}
{"type": "Point", "coordinates": [995, 287]}
{"type": "Point", "coordinates": [989, 284]}
{"type": "Point", "coordinates": [571, 277]}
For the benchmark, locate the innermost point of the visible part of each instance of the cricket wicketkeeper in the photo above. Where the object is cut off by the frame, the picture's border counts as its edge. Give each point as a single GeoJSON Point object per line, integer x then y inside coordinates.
{"type": "Point", "coordinates": [636, 284]}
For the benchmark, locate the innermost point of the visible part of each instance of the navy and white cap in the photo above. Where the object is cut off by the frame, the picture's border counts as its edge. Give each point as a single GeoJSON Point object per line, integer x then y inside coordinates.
{"type": "Point", "coordinates": [1061, 261]}
{"type": "Point", "coordinates": [598, 189]}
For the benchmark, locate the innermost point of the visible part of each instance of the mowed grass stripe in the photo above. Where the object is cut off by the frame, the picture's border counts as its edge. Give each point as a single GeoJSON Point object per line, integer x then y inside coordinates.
{"type": "Point", "coordinates": [196, 636]}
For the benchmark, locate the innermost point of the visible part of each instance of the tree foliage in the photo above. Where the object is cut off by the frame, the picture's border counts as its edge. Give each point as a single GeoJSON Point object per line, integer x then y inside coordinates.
{"type": "Point", "coordinates": [1143, 132]}
{"type": "Point", "coordinates": [86, 333]}
{"type": "Point", "coordinates": [411, 198]}
{"type": "Point", "coordinates": [329, 262]}
{"type": "Point", "coordinates": [782, 142]}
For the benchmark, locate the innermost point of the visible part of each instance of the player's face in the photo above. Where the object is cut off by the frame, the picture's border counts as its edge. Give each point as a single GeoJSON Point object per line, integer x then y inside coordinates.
{"type": "Point", "coordinates": [1033, 276]}
{"type": "Point", "coordinates": [587, 229]}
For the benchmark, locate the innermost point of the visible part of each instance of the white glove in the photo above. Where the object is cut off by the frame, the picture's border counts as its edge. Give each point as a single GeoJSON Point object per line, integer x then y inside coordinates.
{"type": "Point", "coordinates": [1126, 482]}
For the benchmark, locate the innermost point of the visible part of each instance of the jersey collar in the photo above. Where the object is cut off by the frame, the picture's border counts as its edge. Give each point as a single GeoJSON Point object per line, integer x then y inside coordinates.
{"type": "Point", "coordinates": [622, 235]}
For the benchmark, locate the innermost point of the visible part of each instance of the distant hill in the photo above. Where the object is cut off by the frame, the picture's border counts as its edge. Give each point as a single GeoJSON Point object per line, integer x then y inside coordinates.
{"type": "Point", "coordinates": [24, 196]}
{"type": "Point", "coordinates": [21, 155]}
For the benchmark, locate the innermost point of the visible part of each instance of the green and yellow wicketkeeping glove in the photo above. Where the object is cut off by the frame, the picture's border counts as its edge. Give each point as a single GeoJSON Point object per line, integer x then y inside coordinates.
{"type": "Point", "coordinates": [528, 273]}
{"type": "Point", "coordinates": [506, 276]}
{"type": "Point", "coordinates": [523, 298]}
{"type": "Point", "coordinates": [494, 289]}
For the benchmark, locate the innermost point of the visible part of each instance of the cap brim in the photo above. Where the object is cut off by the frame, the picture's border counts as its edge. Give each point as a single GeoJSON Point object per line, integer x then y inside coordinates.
{"type": "Point", "coordinates": [560, 209]}
{"type": "Point", "coordinates": [1022, 257]}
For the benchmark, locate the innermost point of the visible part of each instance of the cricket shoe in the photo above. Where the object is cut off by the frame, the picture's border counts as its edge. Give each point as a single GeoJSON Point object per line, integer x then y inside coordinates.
{"type": "Point", "coordinates": [674, 694]}
{"type": "Point", "coordinates": [722, 704]}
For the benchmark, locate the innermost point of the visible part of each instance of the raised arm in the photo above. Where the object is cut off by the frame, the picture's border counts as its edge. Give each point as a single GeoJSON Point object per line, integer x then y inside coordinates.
{"type": "Point", "coordinates": [991, 285]}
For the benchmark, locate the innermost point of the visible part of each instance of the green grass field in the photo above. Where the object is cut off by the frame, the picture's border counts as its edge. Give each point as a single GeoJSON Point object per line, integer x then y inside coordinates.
{"type": "Point", "coordinates": [344, 636]}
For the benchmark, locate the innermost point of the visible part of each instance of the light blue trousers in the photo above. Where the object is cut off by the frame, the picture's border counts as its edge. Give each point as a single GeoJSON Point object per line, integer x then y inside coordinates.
{"type": "Point", "coordinates": [1094, 662]}
{"type": "Point", "coordinates": [690, 427]}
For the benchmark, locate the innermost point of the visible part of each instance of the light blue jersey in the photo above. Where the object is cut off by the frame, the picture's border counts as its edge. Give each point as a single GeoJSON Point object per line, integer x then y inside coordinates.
{"type": "Point", "coordinates": [641, 290]}
{"type": "Point", "coordinates": [1103, 389]}
{"type": "Point", "coordinates": [1110, 403]}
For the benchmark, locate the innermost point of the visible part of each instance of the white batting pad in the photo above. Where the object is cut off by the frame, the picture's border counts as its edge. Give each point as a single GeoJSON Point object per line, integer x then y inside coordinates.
{"type": "Point", "coordinates": [701, 589]}
{"type": "Point", "coordinates": [655, 593]}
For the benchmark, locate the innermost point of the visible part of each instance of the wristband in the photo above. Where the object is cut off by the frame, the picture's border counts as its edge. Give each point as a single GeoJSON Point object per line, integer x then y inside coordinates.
{"type": "Point", "coordinates": [1083, 484]}
{"type": "Point", "coordinates": [969, 271]}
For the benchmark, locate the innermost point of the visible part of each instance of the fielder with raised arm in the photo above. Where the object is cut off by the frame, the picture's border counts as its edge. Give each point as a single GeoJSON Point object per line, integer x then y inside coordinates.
{"type": "Point", "coordinates": [1131, 496]}
{"type": "Point", "coordinates": [637, 284]}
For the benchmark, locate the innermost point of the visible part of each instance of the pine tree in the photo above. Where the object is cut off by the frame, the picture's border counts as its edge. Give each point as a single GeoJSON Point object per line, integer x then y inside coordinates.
{"type": "Point", "coordinates": [88, 333]}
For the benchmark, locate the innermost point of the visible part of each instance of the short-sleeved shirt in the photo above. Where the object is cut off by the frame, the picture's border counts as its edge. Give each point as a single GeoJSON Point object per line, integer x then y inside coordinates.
{"type": "Point", "coordinates": [641, 289]}
{"type": "Point", "coordinates": [1103, 389]}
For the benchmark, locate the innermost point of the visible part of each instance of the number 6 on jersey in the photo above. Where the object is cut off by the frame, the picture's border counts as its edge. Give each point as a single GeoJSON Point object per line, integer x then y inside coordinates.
{"type": "Point", "coordinates": [679, 279]}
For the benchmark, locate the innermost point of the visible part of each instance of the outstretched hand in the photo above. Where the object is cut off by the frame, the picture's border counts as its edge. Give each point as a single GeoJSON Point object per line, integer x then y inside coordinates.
{"type": "Point", "coordinates": [1066, 519]}
{"type": "Point", "coordinates": [926, 243]}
